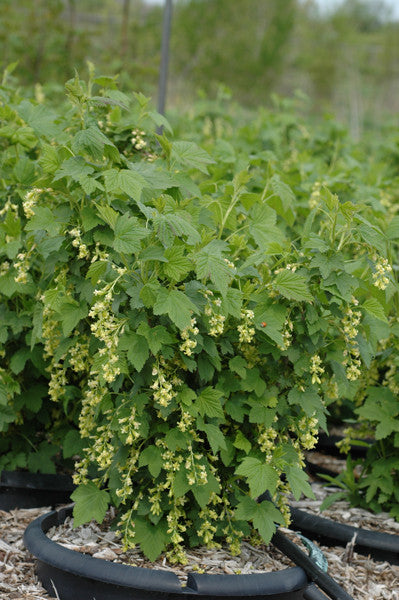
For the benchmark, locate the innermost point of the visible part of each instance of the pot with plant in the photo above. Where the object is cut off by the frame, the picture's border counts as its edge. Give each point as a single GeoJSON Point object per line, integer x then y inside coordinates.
{"type": "Point", "coordinates": [205, 334]}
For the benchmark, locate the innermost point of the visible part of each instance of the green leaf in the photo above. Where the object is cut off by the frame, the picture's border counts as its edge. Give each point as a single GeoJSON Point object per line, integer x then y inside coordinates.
{"type": "Point", "coordinates": [331, 498]}
{"type": "Point", "coordinates": [261, 477]}
{"type": "Point", "coordinates": [127, 181]}
{"type": "Point", "coordinates": [202, 492]}
{"type": "Point", "coordinates": [152, 456]}
{"type": "Point", "coordinates": [108, 214]}
{"type": "Point", "coordinates": [190, 154]}
{"type": "Point", "coordinates": [73, 444]}
{"type": "Point", "coordinates": [176, 305]}
{"type": "Point", "coordinates": [263, 515]}
{"type": "Point", "coordinates": [308, 399]}
{"type": "Point", "coordinates": [263, 227]}
{"type": "Point", "coordinates": [209, 266]}
{"type": "Point", "coordinates": [239, 365]}
{"type": "Point", "coordinates": [180, 484]}
{"type": "Point", "coordinates": [43, 219]}
{"type": "Point", "coordinates": [175, 439]}
{"type": "Point", "coordinates": [156, 337]}
{"type": "Point", "coordinates": [40, 461]}
{"type": "Point", "coordinates": [270, 320]}
{"type": "Point", "coordinates": [137, 349]}
{"type": "Point", "coordinates": [284, 199]}
{"type": "Point", "coordinates": [393, 229]}
{"type": "Point", "coordinates": [265, 518]}
{"type": "Point", "coordinates": [178, 265]}
{"type": "Point", "coordinates": [90, 141]}
{"type": "Point", "coordinates": [298, 482]}
{"type": "Point", "coordinates": [232, 303]}
{"type": "Point", "coordinates": [152, 538]}
{"type": "Point", "coordinates": [90, 503]}
{"type": "Point", "coordinates": [49, 160]}
{"type": "Point", "coordinates": [292, 286]}
{"type": "Point", "coordinates": [160, 120]}
{"type": "Point", "coordinates": [242, 443]}
{"type": "Point", "coordinates": [74, 167]}
{"type": "Point", "coordinates": [18, 360]}
{"type": "Point", "coordinates": [70, 313]}
{"type": "Point", "coordinates": [208, 403]}
{"type": "Point", "coordinates": [24, 171]}
{"type": "Point", "coordinates": [327, 264]}
{"type": "Point", "coordinates": [375, 308]}
{"type": "Point", "coordinates": [128, 235]}
{"type": "Point", "coordinates": [40, 118]}
{"type": "Point", "coordinates": [215, 437]}
{"type": "Point", "coordinates": [96, 271]}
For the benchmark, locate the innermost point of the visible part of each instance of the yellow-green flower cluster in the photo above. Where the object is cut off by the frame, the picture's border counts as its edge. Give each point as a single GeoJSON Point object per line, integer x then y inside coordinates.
{"type": "Point", "coordinates": [352, 360]}
{"type": "Point", "coordinates": [287, 334]}
{"type": "Point", "coordinates": [314, 200]}
{"type": "Point", "coordinates": [332, 389]}
{"type": "Point", "coordinates": [30, 202]}
{"type": "Point", "coordinates": [246, 330]}
{"type": "Point", "coordinates": [4, 268]}
{"type": "Point", "coordinates": [77, 243]}
{"type": "Point", "coordinates": [154, 498]}
{"type": "Point", "coordinates": [380, 275]}
{"type": "Point", "coordinates": [92, 397]}
{"type": "Point", "coordinates": [216, 320]}
{"type": "Point", "coordinates": [79, 356]}
{"type": "Point", "coordinates": [208, 529]}
{"type": "Point", "coordinates": [107, 328]}
{"type": "Point", "coordinates": [130, 467]}
{"type": "Point", "coordinates": [9, 206]}
{"type": "Point", "coordinates": [315, 369]}
{"type": "Point", "coordinates": [99, 254]}
{"type": "Point", "coordinates": [58, 381]}
{"type": "Point", "coordinates": [307, 431]}
{"type": "Point", "coordinates": [130, 426]}
{"type": "Point", "coordinates": [22, 266]}
{"type": "Point", "coordinates": [189, 344]}
{"type": "Point", "coordinates": [196, 473]}
{"type": "Point", "coordinates": [175, 529]}
{"type": "Point", "coordinates": [164, 384]}
{"type": "Point", "coordinates": [102, 449]}
{"type": "Point", "coordinates": [186, 421]}
{"type": "Point", "coordinates": [50, 331]}
{"type": "Point", "coordinates": [282, 501]}
{"type": "Point", "coordinates": [137, 140]}
{"type": "Point", "coordinates": [267, 441]}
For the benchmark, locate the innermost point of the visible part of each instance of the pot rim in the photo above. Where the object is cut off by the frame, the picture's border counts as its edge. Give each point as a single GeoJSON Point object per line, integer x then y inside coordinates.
{"type": "Point", "coordinates": [56, 558]}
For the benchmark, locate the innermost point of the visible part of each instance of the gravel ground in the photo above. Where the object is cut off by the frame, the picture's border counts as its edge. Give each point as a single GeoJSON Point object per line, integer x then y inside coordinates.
{"type": "Point", "coordinates": [362, 577]}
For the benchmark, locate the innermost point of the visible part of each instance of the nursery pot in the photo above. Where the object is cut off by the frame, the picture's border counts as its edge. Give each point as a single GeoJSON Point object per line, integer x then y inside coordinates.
{"type": "Point", "coordinates": [327, 444]}
{"type": "Point", "coordinates": [378, 545]}
{"type": "Point", "coordinates": [72, 575]}
{"type": "Point", "coordinates": [19, 489]}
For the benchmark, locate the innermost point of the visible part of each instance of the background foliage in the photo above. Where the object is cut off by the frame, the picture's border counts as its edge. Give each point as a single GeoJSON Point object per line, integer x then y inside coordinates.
{"type": "Point", "coordinates": [255, 47]}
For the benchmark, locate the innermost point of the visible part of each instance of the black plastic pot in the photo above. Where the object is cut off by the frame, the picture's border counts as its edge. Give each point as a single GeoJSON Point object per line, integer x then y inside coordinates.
{"type": "Point", "coordinates": [327, 445]}
{"type": "Point", "coordinates": [380, 546]}
{"type": "Point", "coordinates": [19, 489]}
{"type": "Point", "coordinates": [318, 470]}
{"type": "Point", "coordinates": [75, 575]}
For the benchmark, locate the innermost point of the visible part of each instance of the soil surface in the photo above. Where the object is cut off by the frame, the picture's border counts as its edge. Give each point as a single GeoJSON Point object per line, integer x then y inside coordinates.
{"type": "Point", "coordinates": [363, 578]}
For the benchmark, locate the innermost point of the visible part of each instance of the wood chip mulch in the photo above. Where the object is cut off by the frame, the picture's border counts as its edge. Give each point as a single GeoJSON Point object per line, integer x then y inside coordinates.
{"type": "Point", "coordinates": [362, 577]}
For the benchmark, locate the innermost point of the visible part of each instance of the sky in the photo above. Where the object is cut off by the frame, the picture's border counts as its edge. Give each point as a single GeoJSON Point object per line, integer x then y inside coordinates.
{"type": "Point", "coordinates": [393, 4]}
{"type": "Point", "coordinates": [325, 4]}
